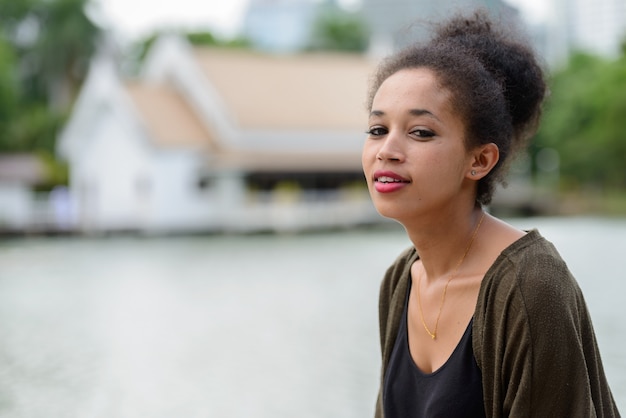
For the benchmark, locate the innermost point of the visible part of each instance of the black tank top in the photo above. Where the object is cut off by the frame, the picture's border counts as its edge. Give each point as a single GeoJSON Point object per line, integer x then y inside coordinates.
{"type": "Point", "coordinates": [452, 391]}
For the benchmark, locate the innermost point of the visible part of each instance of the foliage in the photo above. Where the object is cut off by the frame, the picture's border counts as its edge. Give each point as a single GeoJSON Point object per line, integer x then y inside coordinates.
{"type": "Point", "coordinates": [338, 30]}
{"type": "Point", "coordinates": [140, 49]}
{"type": "Point", "coordinates": [67, 42]}
{"type": "Point", "coordinates": [45, 46]}
{"type": "Point", "coordinates": [8, 90]}
{"type": "Point", "coordinates": [584, 121]}
{"type": "Point", "coordinates": [56, 171]}
{"type": "Point", "coordinates": [35, 128]}
{"type": "Point", "coordinates": [208, 39]}
{"type": "Point", "coordinates": [202, 38]}
{"type": "Point", "coordinates": [12, 13]}
{"type": "Point", "coordinates": [53, 41]}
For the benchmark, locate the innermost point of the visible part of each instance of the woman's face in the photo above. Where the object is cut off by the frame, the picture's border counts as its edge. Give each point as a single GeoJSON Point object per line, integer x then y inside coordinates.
{"type": "Point", "coordinates": [414, 157]}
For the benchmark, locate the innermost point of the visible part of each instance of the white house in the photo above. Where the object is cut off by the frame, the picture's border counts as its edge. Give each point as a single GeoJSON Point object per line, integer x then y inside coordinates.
{"type": "Point", "coordinates": [219, 140]}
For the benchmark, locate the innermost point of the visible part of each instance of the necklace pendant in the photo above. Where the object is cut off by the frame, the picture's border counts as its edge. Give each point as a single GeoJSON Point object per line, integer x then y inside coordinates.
{"type": "Point", "coordinates": [433, 335]}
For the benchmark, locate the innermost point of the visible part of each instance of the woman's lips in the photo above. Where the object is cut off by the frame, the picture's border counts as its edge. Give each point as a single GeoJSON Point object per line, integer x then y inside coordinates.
{"type": "Point", "coordinates": [388, 181]}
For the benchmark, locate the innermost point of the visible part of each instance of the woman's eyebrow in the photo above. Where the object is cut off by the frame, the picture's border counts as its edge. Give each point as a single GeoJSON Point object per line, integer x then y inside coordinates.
{"type": "Point", "coordinates": [414, 112]}
{"type": "Point", "coordinates": [423, 112]}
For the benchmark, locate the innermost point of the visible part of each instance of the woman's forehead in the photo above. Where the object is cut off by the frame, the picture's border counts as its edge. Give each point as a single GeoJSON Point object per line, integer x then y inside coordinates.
{"type": "Point", "coordinates": [412, 87]}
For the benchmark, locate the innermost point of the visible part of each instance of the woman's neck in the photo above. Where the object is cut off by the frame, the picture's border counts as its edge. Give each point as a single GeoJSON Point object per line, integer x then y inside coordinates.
{"type": "Point", "coordinates": [443, 242]}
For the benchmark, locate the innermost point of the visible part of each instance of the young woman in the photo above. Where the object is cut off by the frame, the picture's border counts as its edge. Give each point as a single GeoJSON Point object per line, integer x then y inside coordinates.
{"type": "Point", "coordinates": [477, 318]}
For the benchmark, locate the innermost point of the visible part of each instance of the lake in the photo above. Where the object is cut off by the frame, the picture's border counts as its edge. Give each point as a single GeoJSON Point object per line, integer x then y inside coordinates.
{"type": "Point", "coordinates": [260, 326]}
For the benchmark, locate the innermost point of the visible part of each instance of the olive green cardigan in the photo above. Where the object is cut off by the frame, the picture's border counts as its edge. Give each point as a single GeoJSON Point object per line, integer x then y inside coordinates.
{"type": "Point", "coordinates": [532, 335]}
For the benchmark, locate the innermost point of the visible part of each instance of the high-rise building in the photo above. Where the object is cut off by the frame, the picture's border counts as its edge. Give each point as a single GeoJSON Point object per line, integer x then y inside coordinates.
{"type": "Point", "coordinates": [286, 25]}
{"type": "Point", "coordinates": [281, 26]}
{"type": "Point", "coordinates": [395, 23]}
{"type": "Point", "coordinates": [596, 26]}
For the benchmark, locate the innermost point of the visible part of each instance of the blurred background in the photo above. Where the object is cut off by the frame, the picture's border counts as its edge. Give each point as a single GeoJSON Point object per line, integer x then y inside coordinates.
{"type": "Point", "coordinates": [184, 226]}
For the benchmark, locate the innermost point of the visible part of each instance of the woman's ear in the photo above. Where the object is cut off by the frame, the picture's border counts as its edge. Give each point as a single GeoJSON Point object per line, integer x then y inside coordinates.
{"type": "Point", "coordinates": [484, 159]}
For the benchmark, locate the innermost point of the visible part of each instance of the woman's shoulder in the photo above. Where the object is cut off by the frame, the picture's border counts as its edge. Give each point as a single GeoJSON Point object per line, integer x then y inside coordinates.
{"type": "Point", "coordinates": [532, 268]}
{"type": "Point", "coordinates": [530, 255]}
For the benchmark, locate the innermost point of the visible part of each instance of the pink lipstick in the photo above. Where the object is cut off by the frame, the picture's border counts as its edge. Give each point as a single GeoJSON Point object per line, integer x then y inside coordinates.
{"type": "Point", "coordinates": [388, 181]}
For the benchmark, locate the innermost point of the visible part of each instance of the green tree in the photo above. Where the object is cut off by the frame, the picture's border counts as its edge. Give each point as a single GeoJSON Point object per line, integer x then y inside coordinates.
{"type": "Point", "coordinates": [208, 39]}
{"type": "Point", "coordinates": [584, 121]}
{"type": "Point", "coordinates": [45, 46]}
{"type": "Point", "coordinates": [60, 55]}
{"type": "Point", "coordinates": [12, 13]}
{"type": "Point", "coordinates": [8, 92]}
{"type": "Point", "coordinates": [338, 30]}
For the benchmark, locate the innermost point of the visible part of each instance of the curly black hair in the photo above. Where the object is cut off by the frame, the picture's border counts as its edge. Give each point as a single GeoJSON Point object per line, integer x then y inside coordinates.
{"type": "Point", "coordinates": [496, 83]}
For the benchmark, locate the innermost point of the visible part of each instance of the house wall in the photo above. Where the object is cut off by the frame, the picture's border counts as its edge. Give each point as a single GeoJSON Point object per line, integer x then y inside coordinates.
{"type": "Point", "coordinates": [180, 201]}
{"type": "Point", "coordinates": [110, 175]}
{"type": "Point", "coordinates": [121, 181]}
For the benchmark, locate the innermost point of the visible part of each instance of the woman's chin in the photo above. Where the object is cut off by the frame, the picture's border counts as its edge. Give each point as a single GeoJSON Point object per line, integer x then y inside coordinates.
{"type": "Point", "coordinates": [389, 212]}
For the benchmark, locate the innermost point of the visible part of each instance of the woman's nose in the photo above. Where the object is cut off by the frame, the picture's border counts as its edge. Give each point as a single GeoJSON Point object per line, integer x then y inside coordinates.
{"type": "Point", "coordinates": [390, 149]}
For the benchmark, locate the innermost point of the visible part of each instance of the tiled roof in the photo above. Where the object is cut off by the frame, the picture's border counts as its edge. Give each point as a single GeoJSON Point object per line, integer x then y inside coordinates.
{"type": "Point", "coordinates": [294, 162]}
{"type": "Point", "coordinates": [168, 117]}
{"type": "Point", "coordinates": [317, 100]}
{"type": "Point", "coordinates": [289, 92]}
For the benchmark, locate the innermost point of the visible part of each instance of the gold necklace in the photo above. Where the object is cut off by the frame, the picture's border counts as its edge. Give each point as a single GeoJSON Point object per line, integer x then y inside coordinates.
{"type": "Point", "coordinates": [433, 334]}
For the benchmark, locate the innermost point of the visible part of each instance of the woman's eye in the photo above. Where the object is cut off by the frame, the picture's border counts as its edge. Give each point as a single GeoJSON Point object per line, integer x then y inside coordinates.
{"type": "Point", "coordinates": [423, 133]}
{"type": "Point", "coordinates": [376, 131]}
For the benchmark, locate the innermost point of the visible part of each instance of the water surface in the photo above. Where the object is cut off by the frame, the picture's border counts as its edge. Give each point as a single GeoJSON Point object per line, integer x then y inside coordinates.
{"type": "Point", "coordinates": [246, 326]}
